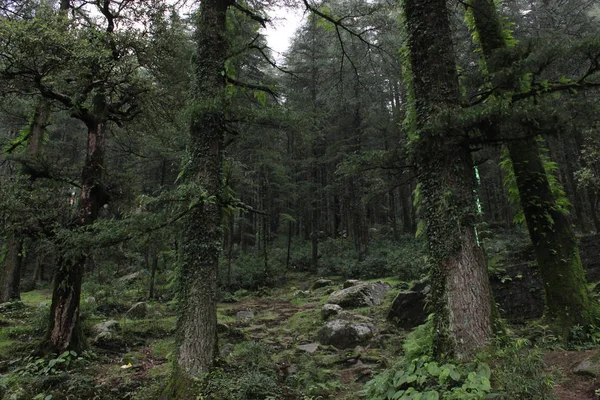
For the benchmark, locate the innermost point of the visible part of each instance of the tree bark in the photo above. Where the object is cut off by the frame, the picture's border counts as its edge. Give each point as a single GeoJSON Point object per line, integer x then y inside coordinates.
{"type": "Point", "coordinates": [461, 297]}
{"type": "Point", "coordinates": [568, 301]}
{"type": "Point", "coordinates": [64, 332]}
{"type": "Point", "coordinates": [203, 233]}
{"type": "Point", "coordinates": [10, 278]}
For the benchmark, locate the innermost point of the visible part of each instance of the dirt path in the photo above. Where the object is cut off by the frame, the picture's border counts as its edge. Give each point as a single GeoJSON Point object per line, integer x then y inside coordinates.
{"type": "Point", "coordinates": [574, 386]}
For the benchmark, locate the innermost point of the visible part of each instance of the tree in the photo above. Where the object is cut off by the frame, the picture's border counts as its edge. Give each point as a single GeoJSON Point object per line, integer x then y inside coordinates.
{"type": "Point", "coordinates": [203, 234]}
{"type": "Point", "coordinates": [567, 298]}
{"type": "Point", "coordinates": [461, 295]}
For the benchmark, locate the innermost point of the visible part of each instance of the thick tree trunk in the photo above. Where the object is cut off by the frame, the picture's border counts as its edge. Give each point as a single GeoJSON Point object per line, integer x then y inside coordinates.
{"type": "Point", "coordinates": [568, 302]}
{"type": "Point", "coordinates": [64, 332]}
{"type": "Point", "coordinates": [461, 297]}
{"type": "Point", "coordinates": [10, 277]}
{"type": "Point", "coordinates": [203, 233]}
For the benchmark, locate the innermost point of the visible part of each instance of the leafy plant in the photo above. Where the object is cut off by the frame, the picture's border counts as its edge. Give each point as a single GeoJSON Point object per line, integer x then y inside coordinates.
{"type": "Point", "coordinates": [425, 379]}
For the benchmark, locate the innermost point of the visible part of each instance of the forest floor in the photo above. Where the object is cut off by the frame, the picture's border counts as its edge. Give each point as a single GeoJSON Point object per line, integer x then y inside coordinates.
{"type": "Point", "coordinates": [286, 320]}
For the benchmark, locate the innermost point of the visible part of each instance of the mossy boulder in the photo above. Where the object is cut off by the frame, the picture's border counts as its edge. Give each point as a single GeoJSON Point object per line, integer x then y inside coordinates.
{"type": "Point", "coordinates": [138, 310]}
{"type": "Point", "coordinates": [330, 310]}
{"type": "Point", "coordinates": [345, 334]}
{"type": "Point", "coordinates": [361, 295]}
{"type": "Point", "coordinates": [320, 283]}
{"type": "Point", "coordinates": [408, 310]}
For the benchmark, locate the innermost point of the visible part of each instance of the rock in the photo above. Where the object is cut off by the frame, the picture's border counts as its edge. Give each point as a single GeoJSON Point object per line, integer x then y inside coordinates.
{"type": "Point", "coordinates": [320, 283]}
{"type": "Point", "coordinates": [138, 310]}
{"type": "Point", "coordinates": [357, 318]}
{"type": "Point", "coordinates": [106, 326]}
{"type": "Point", "coordinates": [226, 350]}
{"type": "Point", "coordinates": [344, 334]}
{"type": "Point", "coordinates": [309, 348]}
{"type": "Point", "coordinates": [361, 295]}
{"type": "Point", "coordinates": [106, 336]}
{"type": "Point", "coordinates": [350, 282]}
{"type": "Point", "coordinates": [301, 293]}
{"type": "Point", "coordinates": [421, 286]}
{"type": "Point", "coordinates": [43, 304]}
{"type": "Point", "coordinates": [330, 310]}
{"type": "Point", "coordinates": [408, 310]}
{"type": "Point", "coordinates": [90, 299]}
{"type": "Point", "coordinates": [589, 367]}
{"type": "Point", "coordinates": [244, 314]}
{"type": "Point", "coordinates": [519, 292]}
{"type": "Point", "coordinates": [127, 279]}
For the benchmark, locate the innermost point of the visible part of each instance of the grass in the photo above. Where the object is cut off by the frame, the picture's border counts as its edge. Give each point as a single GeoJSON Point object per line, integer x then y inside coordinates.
{"type": "Point", "coordinates": [35, 297]}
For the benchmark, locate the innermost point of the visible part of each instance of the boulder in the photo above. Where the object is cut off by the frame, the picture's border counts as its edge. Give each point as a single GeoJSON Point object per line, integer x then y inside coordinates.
{"type": "Point", "coordinates": [344, 334]}
{"type": "Point", "coordinates": [244, 314]}
{"type": "Point", "coordinates": [309, 348]}
{"type": "Point", "coordinates": [105, 335]}
{"type": "Point", "coordinates": [320, 283]}
{"type": "Point", "coordinates": [361, 295]}
{"type": "Point", "coordinates": [519, 292]}
{"type": "Point", "coordinates": [408, 310]}
{"type": "Point", "coordinates": [330, 310]}
{"type": "Point", "coordinates": [350, 282]}
{"type": "Point", "coordinates": [138, 310]}
{"type": "Point", "coordinates": [589, 366]}
{"type": "Point", "coordinates": [105, 327]}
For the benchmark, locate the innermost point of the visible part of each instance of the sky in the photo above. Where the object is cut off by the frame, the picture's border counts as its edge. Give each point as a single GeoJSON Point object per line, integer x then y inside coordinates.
{"type": "Point", "coordinates": [279, 32]}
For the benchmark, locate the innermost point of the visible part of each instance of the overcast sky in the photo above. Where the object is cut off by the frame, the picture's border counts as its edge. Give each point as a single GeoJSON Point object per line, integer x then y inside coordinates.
{"type": "Point", "coordinates": [279, 33]}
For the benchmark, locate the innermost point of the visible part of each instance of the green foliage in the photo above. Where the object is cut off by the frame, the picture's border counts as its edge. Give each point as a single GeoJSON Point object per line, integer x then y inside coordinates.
{"type": "Point", "coordinates": [520, 373]}
{"type": "Point", "coordinates": [425, 379]}
{"type": "Point", "coordinates": [249, 374]}
{"type": "Point", "coordinates": [419, 342]}
{"type": "Point", "coordinates": [314, 381]}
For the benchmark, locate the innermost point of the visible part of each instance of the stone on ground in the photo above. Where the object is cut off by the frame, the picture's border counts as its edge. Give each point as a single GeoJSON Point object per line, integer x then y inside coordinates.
{"type": "Point", "coordinates": [344, 334]}
{"type": "Point", "coordinates": [329, 310]}
{"type": "Point", "coordinates": [408, 310]}
{"type": "Point", "coordinates": [361, 295]}
{"type": "Point", "coordinates": [138, 310]}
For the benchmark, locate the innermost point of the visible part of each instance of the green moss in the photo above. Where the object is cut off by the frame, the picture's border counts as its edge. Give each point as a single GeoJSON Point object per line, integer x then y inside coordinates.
{"type": "Point", "coordinates": [35, 297]}
{"type": "Point", "coordinates": [163, 348]}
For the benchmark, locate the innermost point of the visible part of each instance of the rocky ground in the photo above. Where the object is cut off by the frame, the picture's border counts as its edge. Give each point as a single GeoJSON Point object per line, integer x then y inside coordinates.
{"type": "Point", "coordinates": [325, 337]}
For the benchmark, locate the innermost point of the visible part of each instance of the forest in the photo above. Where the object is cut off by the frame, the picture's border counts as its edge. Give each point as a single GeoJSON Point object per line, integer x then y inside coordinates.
{"type": "Point", "coordinates": [401, 205]}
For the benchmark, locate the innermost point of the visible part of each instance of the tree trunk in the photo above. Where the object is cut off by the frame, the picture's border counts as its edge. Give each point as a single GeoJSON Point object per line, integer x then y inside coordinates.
{"type": "Point", "coordinates": [203, 233]}
{"type": "Point", "coordinates": [10, 278]}
{"type": "Point", "coordinates": [153, 269]}
{"type": "Point", "coordinates": [64, 332]}
{"type": "Point", "coordinates": [461, 297]}
{"type": "Point", "coordinates": [567, 299]}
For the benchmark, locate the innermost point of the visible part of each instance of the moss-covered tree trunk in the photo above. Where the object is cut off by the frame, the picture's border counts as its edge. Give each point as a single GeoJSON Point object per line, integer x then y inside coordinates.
{"type": "Point", "coordinates": [64, 331]}
{"type": "Point", "coordinates": [11, 271]}
{"type": "Point", "coordinates": [461, 296]}
{"type": "Point", "coordinates": [203, 234]}
{"type": "Point", "coordinates": [568, 302]}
